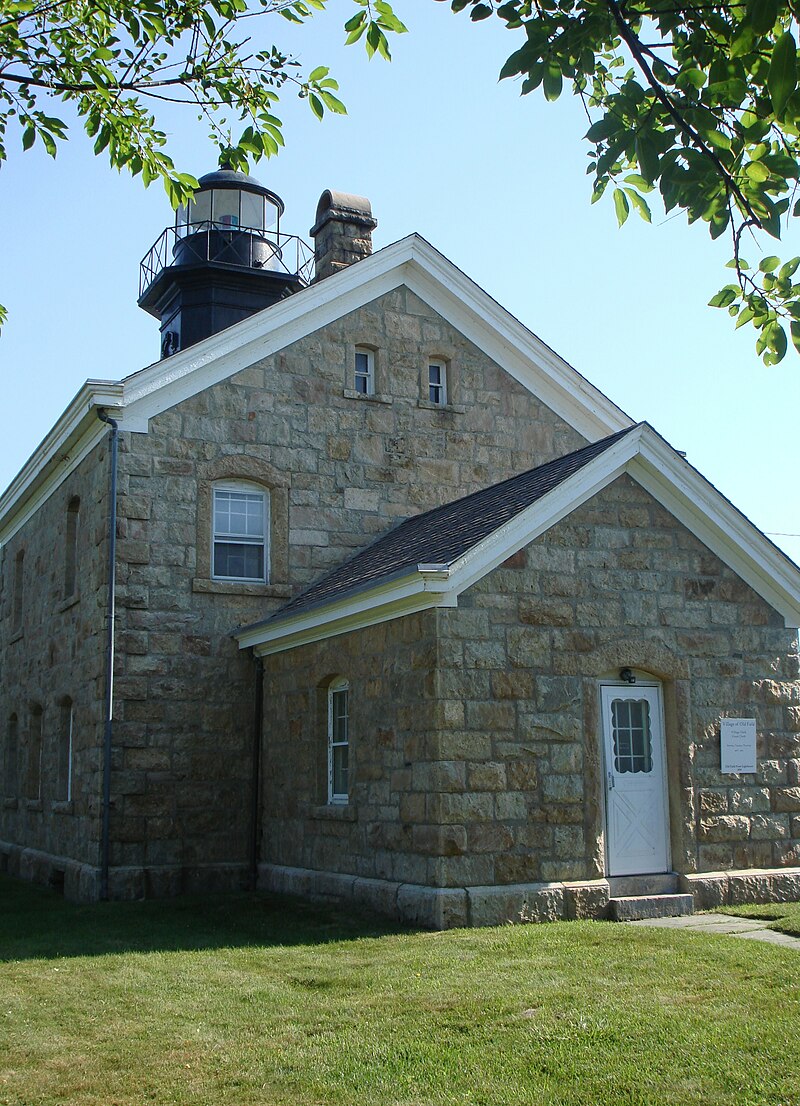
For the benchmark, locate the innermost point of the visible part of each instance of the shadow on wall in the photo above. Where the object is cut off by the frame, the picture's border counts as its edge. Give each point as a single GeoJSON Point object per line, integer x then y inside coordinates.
{"type": "Point", "coordinates": [38, 923]}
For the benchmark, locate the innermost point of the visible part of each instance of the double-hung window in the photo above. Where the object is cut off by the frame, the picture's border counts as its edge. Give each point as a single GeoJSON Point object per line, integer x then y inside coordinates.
{"type": "Point", "coordinates": [364, 371]}
{"type": "Point", "coordinates": [437, 383]}
{"type": "Point", "coordinates": [241, 533]}
{"type": "Point", "coordinates": [338, 741]}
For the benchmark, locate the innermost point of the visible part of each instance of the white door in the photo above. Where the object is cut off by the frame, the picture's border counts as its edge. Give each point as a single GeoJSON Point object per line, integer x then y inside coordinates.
{"type": "Point", "coordinates": [636, 795]}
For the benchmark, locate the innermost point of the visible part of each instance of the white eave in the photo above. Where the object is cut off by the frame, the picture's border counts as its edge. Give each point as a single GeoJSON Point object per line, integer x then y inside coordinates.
{"type": "Point", "coordinates": [77, 431]}
{"type": "Point", "coordinates": [647, 458]}
{"type": "Point", "coordinates": [412, 262]}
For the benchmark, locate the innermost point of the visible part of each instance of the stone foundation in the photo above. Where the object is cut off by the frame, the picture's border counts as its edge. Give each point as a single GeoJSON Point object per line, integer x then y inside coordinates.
{"type": "Point", "coordinates": [81, 882]}
{"type": "Point", "coordinates": [456, 907]}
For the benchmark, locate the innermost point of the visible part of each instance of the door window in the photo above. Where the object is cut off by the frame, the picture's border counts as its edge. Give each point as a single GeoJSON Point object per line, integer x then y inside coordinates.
{"type": "Point", "coordinates": [633, 743]}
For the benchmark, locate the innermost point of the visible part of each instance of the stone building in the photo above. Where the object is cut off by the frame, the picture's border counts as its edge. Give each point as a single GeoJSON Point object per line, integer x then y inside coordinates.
{"type": "Point", "coordinates": [404, 610]}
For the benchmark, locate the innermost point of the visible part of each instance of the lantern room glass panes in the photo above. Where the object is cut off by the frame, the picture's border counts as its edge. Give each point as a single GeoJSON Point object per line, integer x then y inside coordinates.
{"type": "Point", "coordinates": [240, 535]}
{"type": "Point", "coordinates": [226, 209]}
{"type": "Point", "coordinates": [633, 743]}
{"type": "Point", "coordinates": [252, 210]}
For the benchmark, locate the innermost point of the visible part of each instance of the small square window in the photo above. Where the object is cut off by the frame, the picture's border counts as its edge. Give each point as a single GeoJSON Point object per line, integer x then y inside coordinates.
{"type": "Point", "coordinates": [437, 383]}
{"type": "Point", "coordinates": [364, 377]}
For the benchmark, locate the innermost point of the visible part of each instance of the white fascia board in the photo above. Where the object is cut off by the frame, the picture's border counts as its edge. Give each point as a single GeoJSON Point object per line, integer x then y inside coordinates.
{"type": "Point", "coordinates": [511, 345]}
{"type": "Point", "coordinates": [713, 519]}
{"type": "Point", "coordinates": [413, 592]}
{"type": "Point", "coordinates": [160, 386]}
{"type": "Point", "coordinates": [75, 434]}
{"type": "Point", "coordinates": [544, 513]}
{"type": "Point", "coordinates": [412, 262]}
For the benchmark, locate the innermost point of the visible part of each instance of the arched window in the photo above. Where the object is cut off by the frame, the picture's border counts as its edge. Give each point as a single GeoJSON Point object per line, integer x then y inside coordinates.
{"type": "Point", "coordinates": [65, 743]}
{"type": "Point", "coordinates": [18, 593]}
{"type": "Point", "coordinates": [33, 788]}
{"type": "Point", "coordinates": [10, 758]}
{"type": "Point", "coordinates": [71, 547]}
{"type": "Point", "coordinates": [338, 741]}
{"type": "Point", "coordinates": [240, 544]}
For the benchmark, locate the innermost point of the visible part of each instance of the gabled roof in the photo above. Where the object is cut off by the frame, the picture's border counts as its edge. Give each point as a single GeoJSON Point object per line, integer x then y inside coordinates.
{"type": "Point", "coordinates": [412, 263]}
{"type": "Point", "coordinates": [441, 536]}
{"type": "Point", "coordinates": [429, 560]}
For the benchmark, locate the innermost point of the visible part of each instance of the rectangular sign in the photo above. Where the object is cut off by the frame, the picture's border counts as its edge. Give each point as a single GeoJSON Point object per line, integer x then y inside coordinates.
{"type": "Point", "coordinates": [738, 744]}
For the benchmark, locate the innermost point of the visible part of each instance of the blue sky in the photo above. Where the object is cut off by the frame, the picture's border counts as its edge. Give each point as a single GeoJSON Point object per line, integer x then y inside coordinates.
{"type": "Point", "coordinates": [494, 181]}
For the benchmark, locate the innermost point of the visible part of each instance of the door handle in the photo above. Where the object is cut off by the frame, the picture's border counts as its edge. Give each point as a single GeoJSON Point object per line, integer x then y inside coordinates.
{"type": "Point", "coordinates": [610, 781]}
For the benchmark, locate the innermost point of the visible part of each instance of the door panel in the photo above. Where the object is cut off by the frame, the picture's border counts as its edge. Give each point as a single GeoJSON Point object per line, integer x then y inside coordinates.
{"type": "Point", "coordinates": [636, 811]}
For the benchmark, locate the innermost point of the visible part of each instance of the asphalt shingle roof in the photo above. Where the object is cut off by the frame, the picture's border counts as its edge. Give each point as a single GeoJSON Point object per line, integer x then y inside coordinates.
{"type": "Point", "coordinates": [444, 534]}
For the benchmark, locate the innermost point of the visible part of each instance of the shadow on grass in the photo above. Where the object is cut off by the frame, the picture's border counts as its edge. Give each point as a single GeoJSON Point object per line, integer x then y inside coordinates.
{"type": "Point", "coordinates": [37, 923]}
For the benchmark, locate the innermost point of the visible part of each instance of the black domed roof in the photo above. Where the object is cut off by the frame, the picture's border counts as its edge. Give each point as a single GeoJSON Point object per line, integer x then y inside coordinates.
{"type": "Point", "coordinates": [231, 178]}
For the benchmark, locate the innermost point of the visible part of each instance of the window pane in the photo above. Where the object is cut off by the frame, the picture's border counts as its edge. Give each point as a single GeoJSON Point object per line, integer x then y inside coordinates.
{"type": "Point", "coordinates": [200, 208]}
{"type": "Point", "coordinates": [340, 759]}
{"type": "Point", "coordinates": [633, 746]}
{"type": "Point", "coordinates": [226, 207]}
{"type": "Point", "coordinates": [239, 513]}
{"type": "Point", "coordinates": [238, 560]}
{"type": "Point", "coordinates": [252, 210]}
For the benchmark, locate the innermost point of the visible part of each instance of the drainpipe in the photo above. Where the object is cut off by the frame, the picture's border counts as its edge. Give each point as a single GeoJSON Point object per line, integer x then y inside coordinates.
{"type": "Point", "coordinates": [255, 796]}
{"type": "Point", "coordinates": [109, 704]}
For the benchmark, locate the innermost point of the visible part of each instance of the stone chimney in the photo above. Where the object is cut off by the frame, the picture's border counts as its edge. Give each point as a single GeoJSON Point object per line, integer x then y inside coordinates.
{"type": "Point", "coordinates": [342, 233]}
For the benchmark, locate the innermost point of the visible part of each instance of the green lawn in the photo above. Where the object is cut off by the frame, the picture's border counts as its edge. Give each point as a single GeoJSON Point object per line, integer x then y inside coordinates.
{"type": "Point", "coordinates": [785, 916]}
{"type": "Point", "coordinates": [252, 1000]}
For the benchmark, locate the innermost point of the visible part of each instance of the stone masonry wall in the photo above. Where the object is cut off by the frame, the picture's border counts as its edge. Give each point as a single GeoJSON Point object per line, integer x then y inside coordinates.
{"type": "Point", "coordinates": [619, 583]}
{"type": "Point", "coordinates": [57, 653]}
{"type": "Point", "coordinates": [383, 832]}
{"type": "Point", "coordinates": [341, 469]}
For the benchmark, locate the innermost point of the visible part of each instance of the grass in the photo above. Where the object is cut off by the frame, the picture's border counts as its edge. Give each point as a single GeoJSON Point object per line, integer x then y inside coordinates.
{"type": "Point", "coordinates": [785, 916]}
{"type": "Point", "coordinates": [248, 1000]}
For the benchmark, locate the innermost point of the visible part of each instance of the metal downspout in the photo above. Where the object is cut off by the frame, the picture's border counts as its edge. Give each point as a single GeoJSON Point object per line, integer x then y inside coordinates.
{"type": "Point", "coordinates": [109, 702]}
{"type": "Point", "coordinates": [255, 797]}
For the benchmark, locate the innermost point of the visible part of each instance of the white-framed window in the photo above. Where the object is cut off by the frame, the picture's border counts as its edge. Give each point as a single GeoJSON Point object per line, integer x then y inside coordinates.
{"type": "Point", "coordinates": [240, 542]}
{"type": "Point", "coordinates": [338, 741]}
{"type": "Point", "coordinates": [437, 382]}
{"type": "Point", "coordinates": [364, 371]}
{"type": "Point", "coordinates": [33, 788]}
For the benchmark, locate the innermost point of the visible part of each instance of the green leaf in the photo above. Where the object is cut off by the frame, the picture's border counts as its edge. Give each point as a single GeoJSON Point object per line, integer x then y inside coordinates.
{"type": "Point", "coordinates": [647, 156]}
{"type": "Point", "coordinates": [318, 73]}
{"type": "Point", "coordinates": [761, 15]}
{"type": "Point", "coordinates": [621, 206]}
{"type": "Point", "coordinates": [782, 76]}
{"type": "Point", "coordinates": [553, 81]}
{"type": "Point", "coordinates": [794, 326]}
{"type": "Point", "coordinates": [757, 171]}
{"type": "Point", "coordinates": [28, 137]}
{"type": "Point", "coordinates": [640, 204]}
{"type": "Point", "coordinates": [316, 105]}
{"type": "Point", "coordinates": [724, 298]}
{"type": "Point", "coordinates": [769, 264]}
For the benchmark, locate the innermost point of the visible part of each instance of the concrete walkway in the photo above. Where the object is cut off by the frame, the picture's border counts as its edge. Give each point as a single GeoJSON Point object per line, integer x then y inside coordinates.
{"type": "Point", "coordinates": [754, 929]}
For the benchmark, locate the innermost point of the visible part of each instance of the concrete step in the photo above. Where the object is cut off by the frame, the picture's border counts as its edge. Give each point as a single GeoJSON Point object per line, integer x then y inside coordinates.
{"type": "Point", "coordinates": [634, 908]}
{"type": "Point", "coordinates": [663, 883]}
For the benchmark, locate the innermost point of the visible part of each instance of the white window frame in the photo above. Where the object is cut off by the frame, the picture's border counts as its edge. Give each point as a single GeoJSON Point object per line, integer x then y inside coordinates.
{"type": "Point", "coordinates": [337, 688]}
{"type": "Point", "coordinates": [241, 487]}
{"type": "Point", "coordinates": [68, 716]}
{"type": "Point", "coordinates": [368, 374]}
{"type": "Point", "coordinates": [441, 384]}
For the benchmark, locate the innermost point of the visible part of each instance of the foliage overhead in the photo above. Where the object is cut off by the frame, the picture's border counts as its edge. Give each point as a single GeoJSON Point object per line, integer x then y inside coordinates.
{"type": "Point", "coordinates": [698, 99]}
{"type": "Point", "coordinates": [116, 61]}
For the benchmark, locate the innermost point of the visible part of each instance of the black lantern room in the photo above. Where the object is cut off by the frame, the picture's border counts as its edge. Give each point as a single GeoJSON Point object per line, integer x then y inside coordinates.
{"type": "Point", "coordinates": [224, 259]}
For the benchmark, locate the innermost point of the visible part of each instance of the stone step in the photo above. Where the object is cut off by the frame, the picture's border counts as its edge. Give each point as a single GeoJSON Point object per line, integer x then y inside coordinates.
{"type": "Point", "coordinates": [662, 883]}
{"type": "Point", "coordinates": [633, 908]}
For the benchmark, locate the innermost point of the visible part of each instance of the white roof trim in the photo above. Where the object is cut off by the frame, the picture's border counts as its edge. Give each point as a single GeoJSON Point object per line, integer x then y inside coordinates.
{"type": "Point", "coordinates": [412, 262]}
{"type": "Point", "coordinates": [73, 436]}
{"type": "Point", "coordinates": [649, 460]}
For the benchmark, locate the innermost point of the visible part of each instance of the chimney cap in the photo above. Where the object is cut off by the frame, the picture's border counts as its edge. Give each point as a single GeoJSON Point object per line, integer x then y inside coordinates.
{"type": "Point", "coordinates": [344, 206]}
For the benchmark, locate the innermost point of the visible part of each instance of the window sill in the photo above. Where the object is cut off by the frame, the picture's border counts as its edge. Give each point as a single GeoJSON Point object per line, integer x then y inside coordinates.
{"type": "Point", "coordinates": [10, 803]}
{"type": "Point", "coordinates": [63, 806]}
{"type": "Point", "coordinates": [454, 408]}
{"type": "Point", "coordinates": [34, 805]}
{"type": "Point", "coordinates": [333, 812]}
{"type": "Point", "coordinates": [239, 587]}
{"type": "Point", "coordinates": [70, 601]}
{"type": "Point", "coordinates": [374, 397]}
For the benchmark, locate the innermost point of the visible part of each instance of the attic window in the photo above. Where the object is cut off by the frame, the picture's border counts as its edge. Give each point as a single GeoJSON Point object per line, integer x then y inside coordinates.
{"type": "Point", "coordinates": [437, 383]}
{"type": "Point", "coordinates": [364, 376]}
{"type": "Point", "coordinates": [240, 542]}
